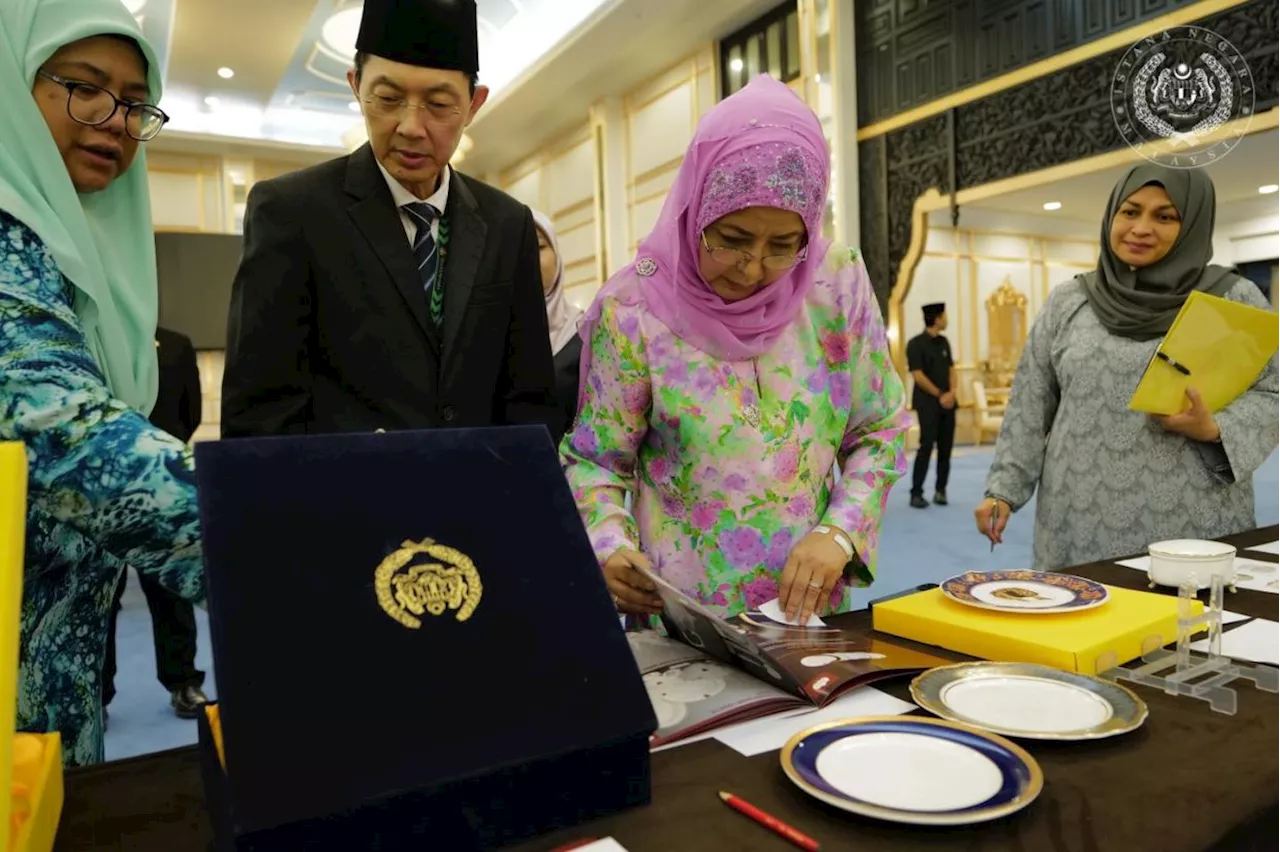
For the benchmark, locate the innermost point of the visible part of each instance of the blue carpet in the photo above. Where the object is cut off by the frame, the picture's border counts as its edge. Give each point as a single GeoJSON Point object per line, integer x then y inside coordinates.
{"type": "Point", "coordinates": [918, 546]}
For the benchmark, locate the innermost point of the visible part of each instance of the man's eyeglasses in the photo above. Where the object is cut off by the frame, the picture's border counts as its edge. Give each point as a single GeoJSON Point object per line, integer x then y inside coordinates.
{"type": "Point", "coordinates": [739, 257]}
{"type": "Point", "coordinates": [384, 106]}
{"type": "Point", "coordinates": [94, 106]}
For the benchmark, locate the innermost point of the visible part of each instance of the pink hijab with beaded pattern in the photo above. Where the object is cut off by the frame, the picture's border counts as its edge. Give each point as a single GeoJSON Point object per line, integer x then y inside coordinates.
{"type": "Point", "coordinates": [760, 147]}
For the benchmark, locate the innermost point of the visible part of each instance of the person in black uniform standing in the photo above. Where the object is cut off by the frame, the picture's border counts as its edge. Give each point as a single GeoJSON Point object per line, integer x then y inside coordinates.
{"type": "Point", "coordinates": [173, 620]}
{"type": "Point", "coordinates": [934, 399]}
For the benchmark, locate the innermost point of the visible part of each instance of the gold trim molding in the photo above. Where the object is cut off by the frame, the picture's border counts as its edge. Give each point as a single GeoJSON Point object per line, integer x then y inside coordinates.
{"type": "Point", "coordinates": [1186, 15]}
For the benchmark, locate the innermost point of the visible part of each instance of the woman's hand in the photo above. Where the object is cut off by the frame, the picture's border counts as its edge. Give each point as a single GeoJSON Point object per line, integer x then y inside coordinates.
{"type": "Point", "coordinates": [1196, 422]}
{"type": "Point", "coordinates": [632, 591]}
{"type": "Point", "coordinates": [813, 568]}
{"type": "Point", "coordinates": [991, 516]}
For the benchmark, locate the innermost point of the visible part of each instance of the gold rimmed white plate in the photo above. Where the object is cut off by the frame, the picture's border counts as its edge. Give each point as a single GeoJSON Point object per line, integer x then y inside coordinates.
{"type": "Point", "coordinates": [1029, 701]}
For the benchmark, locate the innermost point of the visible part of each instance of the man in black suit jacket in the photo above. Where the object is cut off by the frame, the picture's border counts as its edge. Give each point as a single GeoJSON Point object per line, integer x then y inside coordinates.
{"type": "Point", "coordinates": [383, 290]}
{"type": "Point", "coordinates": [173, 620]}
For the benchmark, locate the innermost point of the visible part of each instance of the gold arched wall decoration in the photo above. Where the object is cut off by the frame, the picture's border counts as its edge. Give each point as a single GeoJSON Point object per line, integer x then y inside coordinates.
{"type": "Point", "coordinates": [932, 200]}
{"type": "Point", "coordinates": [929, 201]}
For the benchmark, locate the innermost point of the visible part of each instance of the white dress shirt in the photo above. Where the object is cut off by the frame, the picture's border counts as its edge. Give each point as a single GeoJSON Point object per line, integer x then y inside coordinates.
{"type": "Point", "coordinates": [402, 197]}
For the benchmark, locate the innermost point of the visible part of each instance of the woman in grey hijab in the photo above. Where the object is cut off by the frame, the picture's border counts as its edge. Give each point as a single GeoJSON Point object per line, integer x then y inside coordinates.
{"type": "Point", "coordinates": [1113, 480]}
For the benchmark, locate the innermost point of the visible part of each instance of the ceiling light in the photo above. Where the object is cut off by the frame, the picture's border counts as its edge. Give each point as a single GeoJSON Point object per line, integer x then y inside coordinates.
{"type": "Point", "coordinates": [226, 73]}
{"type": "Point", "coordinates": [353, 106]}
{"type": "Point", "coordinates": [817, 78]}
{"type": "Point", "coordinates": [341, 30]}
{"type": "Point", "coordinates": [237, 179]}
{"type": "Point", "coordinates": [211, 101]}
{"type": "Point", "coordinates": [134, 6]}
{"type": "Point", "coordinates": [1268, 189]}
{"type": "Point", "coordinates": [1053, 205]}
{"type": "Point", "coordinates": [735, 64]}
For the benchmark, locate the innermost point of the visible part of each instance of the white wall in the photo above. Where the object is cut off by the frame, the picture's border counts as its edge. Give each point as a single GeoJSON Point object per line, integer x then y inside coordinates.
{"type": "Point", "coordinates": [1247, 230]}
{"type": "Point", "coordinates": [630, 145]}
{"type": "Point", "coordinates": [560, 181]}
{"type": "Point", "coordinates": [963, 266]}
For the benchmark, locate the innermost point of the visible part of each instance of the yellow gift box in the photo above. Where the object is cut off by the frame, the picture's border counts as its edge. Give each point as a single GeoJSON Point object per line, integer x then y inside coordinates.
{"type": "Point", "coordinates": [1070, 641]}
{"type": "Point", "coordinates": [30, 764]}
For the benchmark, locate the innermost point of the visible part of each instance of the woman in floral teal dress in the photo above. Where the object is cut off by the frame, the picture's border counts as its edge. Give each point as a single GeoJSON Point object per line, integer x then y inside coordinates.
{"type": "Point", "coordinates": [727, 372]}
{"type": "Point", "coordinates": [78, 370]}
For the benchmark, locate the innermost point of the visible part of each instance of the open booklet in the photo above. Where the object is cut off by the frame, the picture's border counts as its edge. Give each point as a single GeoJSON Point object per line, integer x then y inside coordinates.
{"type": "Point", "coordinates": [709, 672]}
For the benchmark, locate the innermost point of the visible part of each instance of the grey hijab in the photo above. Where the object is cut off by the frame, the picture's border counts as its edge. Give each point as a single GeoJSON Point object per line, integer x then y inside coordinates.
{"type": "Point", "coordinates": [1141, 303]}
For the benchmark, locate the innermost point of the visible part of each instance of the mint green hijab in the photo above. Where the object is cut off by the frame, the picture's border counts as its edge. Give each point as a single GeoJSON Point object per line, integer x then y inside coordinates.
{"type": "Point", "coordinates": [103, 243]}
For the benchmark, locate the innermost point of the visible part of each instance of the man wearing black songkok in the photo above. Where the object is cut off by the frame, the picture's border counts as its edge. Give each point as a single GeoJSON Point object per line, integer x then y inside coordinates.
{"type": "Point", "coordinates": [934, 399]}
{"type": "Point", "coordinates": [385, 290]}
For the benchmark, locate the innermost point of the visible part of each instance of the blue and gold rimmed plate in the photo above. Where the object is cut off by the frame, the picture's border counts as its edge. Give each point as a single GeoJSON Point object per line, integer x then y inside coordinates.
{"type": "Point", "coordinates": [912, 770]}
{"type": "Point", "coordinates": [1029, 701]}
{"type": "Point", "coordinates": [1033, 592]}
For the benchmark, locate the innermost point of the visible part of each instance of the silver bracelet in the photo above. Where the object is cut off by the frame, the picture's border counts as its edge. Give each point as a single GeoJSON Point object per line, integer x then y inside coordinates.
{"type": "Point", "coordinates": [838, 537]}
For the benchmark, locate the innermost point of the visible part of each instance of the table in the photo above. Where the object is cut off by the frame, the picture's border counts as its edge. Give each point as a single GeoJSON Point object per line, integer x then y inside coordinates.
{"type": "Point", "coordinates": [1189, 779]}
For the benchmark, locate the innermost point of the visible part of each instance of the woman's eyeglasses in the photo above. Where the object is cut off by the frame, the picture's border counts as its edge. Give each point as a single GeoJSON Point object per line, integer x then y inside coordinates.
{"type": "Point", "coordinates": [94, 106]}
{"type": "Point", "coordinates": [739, 257]}
{"type": "Point", "coordinates": [384, 106]}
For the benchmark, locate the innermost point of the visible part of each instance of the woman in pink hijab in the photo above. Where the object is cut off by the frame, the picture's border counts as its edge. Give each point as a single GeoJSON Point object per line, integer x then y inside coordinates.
{"type": "Point", "coordinates": [727, 372]}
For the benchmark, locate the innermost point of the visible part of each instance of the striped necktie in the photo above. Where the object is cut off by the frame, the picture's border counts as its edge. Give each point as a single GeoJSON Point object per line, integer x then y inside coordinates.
{"type": "Point", "coordinates": [424, 247]}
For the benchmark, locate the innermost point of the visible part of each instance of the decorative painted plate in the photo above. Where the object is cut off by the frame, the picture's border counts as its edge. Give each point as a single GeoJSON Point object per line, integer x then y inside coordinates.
{"type": "Point", "coordinates": [1025, 591]}
{"type": "Point", "coordinates": [1028, 701]}
{"type": "Point", "coordinates": [912, 770]}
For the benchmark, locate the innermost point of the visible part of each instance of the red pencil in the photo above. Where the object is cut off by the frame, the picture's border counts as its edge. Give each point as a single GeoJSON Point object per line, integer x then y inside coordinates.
{"type": "Point", "coordinates": [804, 841]}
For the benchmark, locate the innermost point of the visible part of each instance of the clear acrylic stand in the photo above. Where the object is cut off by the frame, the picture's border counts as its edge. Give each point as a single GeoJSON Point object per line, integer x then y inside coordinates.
{"type": "Point", "coordinates": [1186, 672]}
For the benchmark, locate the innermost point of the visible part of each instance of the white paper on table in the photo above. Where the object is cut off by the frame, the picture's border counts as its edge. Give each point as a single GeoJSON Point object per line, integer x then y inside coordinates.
{"type": "Point", "coordinates": [772, 610]}
{"type": "Point", "coordinates": [1257, 641]}
{"type": "Point", "coordinates": [1258, 576]}
{"type": "Point", "coordinates": [772, 732]}
{"type": "Point", "coordinates": [1264, 576]}
{"type": "Point", "coordinates": [1269, 547]}
{"type": "Point", "coordinates": [606, 845]}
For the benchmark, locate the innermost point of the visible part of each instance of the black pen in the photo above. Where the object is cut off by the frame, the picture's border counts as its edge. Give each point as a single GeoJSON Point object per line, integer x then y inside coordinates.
{"type": "Point", "coordinates": [1172, 363]}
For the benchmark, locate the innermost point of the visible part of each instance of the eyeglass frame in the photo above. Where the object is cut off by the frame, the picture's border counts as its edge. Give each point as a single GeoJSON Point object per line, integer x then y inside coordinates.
{"type": "Point", "coordinates": [403, 104]}
{"type": "Point", "coordinates": [72, 85]}
{"type": "Point", "coordinates": [745, 257]}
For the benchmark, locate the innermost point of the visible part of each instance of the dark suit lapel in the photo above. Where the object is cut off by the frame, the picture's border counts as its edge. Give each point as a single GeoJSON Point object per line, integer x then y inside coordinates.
{"type": "Point", "coordinates": [467, 230]}
{"type": "Point", "coordinates": [375, 214]}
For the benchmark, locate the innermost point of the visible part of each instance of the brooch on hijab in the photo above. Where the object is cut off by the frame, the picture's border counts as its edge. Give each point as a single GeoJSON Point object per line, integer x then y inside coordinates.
{"type": "Point", "coordinates": [646, 266]}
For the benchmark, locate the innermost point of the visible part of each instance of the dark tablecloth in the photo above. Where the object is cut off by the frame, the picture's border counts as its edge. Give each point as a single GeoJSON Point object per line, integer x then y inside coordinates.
{"type": "Point", "coordinates": [1189, 779]}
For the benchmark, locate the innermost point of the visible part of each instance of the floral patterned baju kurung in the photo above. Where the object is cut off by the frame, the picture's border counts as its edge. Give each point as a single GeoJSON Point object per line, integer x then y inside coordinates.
{"type": "Point", "coordinates": [106, 489]}
{"type": "Point", "coordinates": [732, 463]}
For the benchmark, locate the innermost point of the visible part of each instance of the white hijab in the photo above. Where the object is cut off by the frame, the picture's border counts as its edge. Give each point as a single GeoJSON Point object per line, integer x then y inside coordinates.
{"type": "Point", "coordinates": [562, 317]}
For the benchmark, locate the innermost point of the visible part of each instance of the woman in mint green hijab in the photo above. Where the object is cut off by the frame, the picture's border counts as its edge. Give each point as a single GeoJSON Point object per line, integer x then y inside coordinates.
{"type": "Point", "coordinates": [78, 373]}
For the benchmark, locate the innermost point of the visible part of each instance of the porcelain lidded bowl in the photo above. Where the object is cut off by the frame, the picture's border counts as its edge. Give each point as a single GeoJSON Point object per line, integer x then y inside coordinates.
{"type": "Point", "coordinates": [1174, 562]}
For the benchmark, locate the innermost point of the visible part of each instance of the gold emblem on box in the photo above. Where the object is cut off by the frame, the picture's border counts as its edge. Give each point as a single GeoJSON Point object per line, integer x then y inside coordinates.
{"type": "Point", "coordinates": [405, 592]}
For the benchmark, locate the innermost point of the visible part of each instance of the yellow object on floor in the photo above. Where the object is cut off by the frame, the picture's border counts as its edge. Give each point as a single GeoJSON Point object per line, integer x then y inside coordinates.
{"type": "Point", "coordinates": [35, 792]}
{"type": "Point", "coordinates": [215, 728]}
{"type": "Point", "coordinates": [1070, 641]}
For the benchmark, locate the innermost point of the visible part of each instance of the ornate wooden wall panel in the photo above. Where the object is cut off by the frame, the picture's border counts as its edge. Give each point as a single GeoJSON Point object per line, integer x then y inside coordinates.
{"type": "Point", "coordinates": [1050, 120]}
{"type": "Point", "coordinates": [911, 52]}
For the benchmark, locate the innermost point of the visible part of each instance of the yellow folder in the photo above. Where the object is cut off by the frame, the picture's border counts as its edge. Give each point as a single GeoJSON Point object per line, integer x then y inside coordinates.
{"type": "Point", "coordinates": [1216, 346]}
{"type": "Point", "coordinates": [13, 518]}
